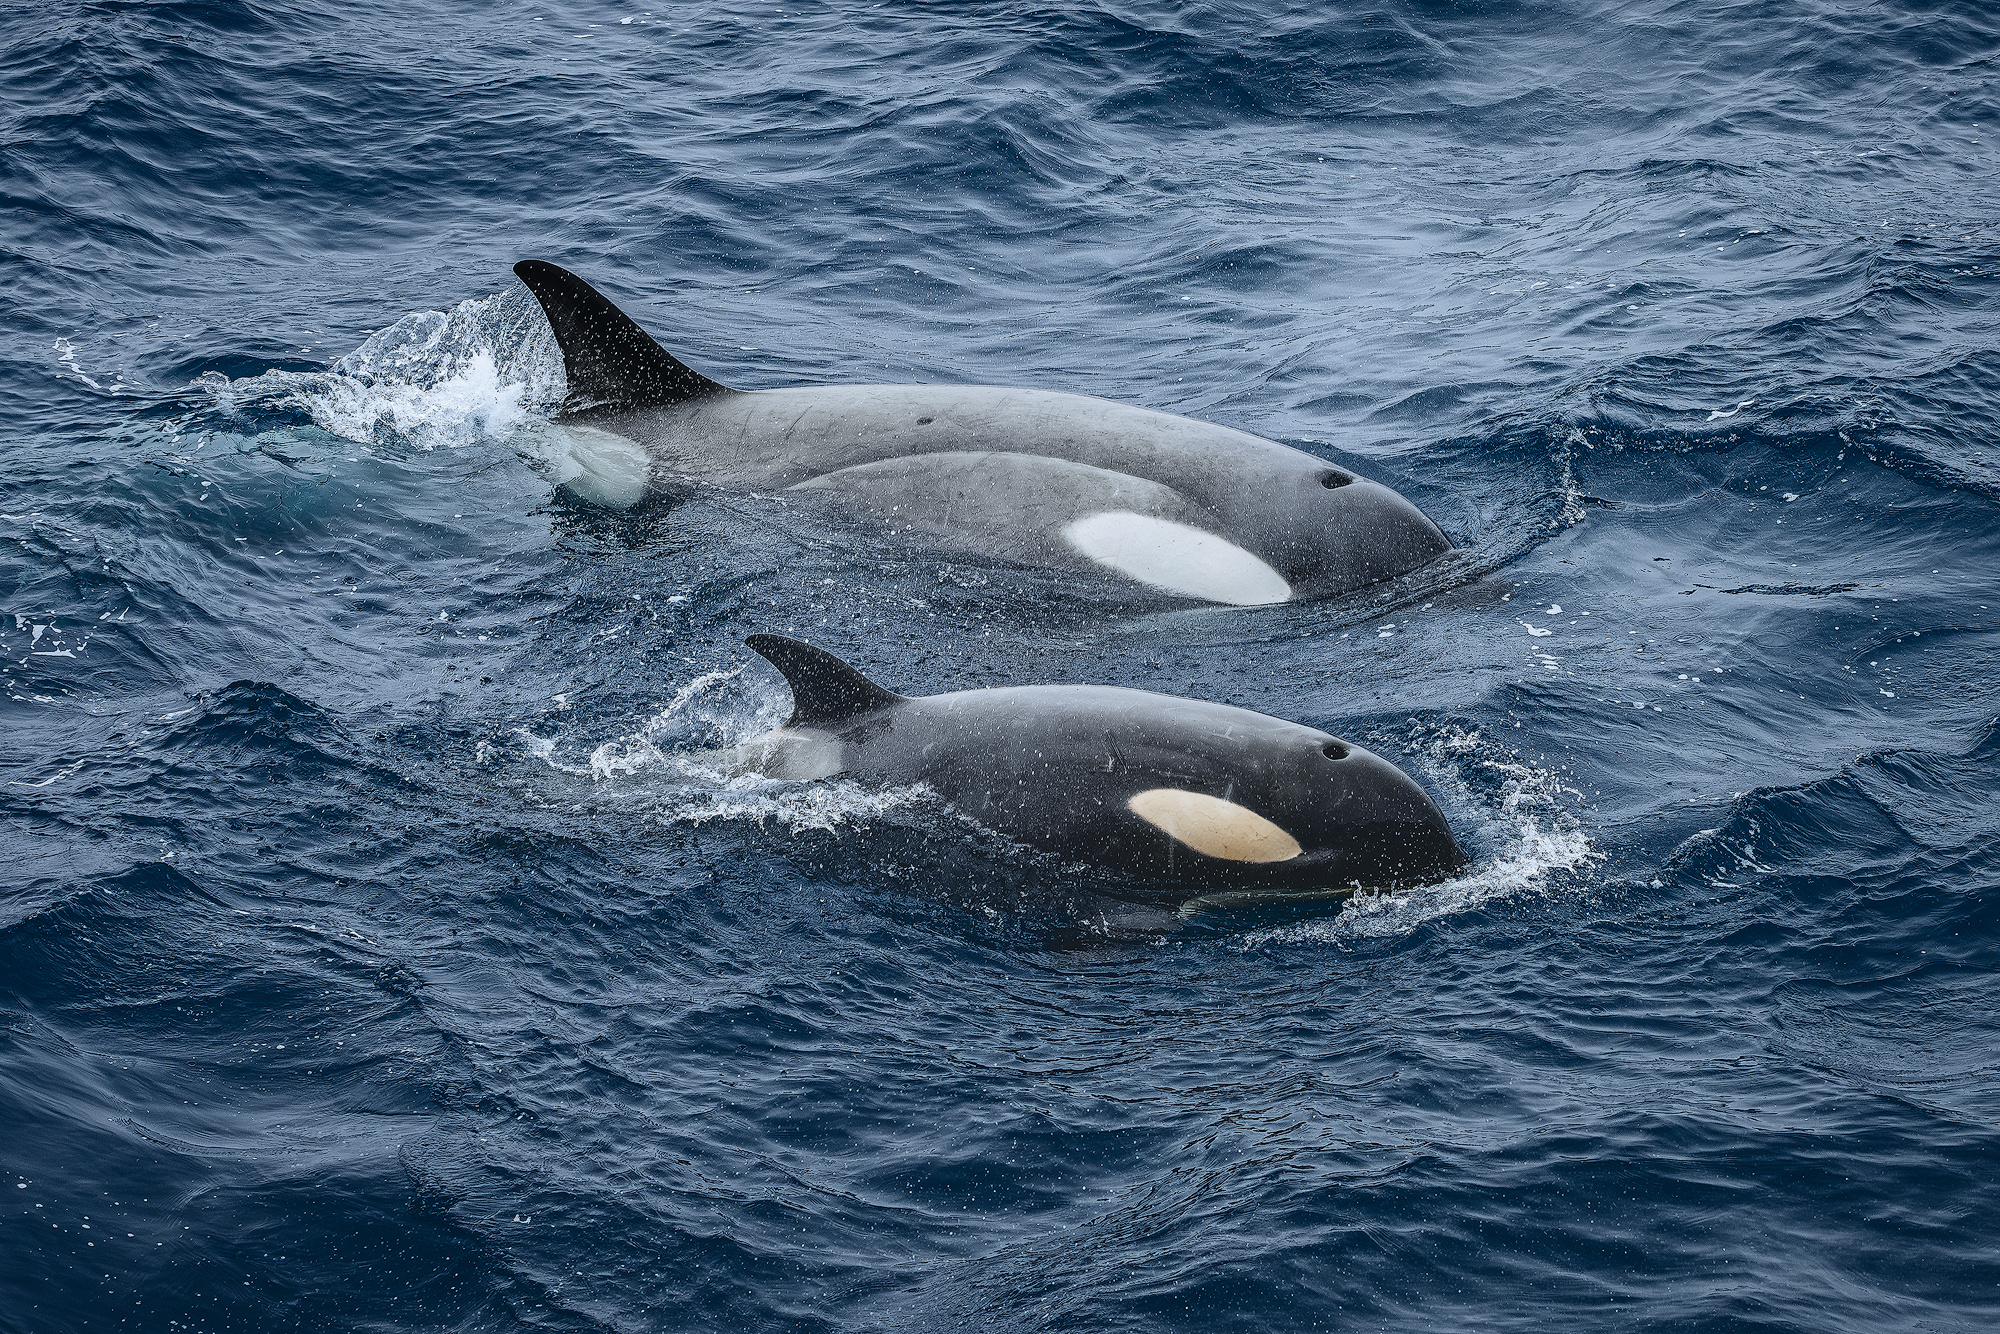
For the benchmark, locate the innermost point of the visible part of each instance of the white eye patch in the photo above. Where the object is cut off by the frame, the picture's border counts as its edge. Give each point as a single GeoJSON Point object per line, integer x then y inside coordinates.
{"type": "Point", "coordinates": [1176, 557]}
{"type": "Point", "coordinates": [1214, 827]}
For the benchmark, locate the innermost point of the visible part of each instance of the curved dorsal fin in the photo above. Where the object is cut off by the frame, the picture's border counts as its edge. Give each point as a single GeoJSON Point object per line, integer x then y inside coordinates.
{"type": "Point", "coordinates": [825, 690]}
{"type": "Point", "coordinates": [611, 362]}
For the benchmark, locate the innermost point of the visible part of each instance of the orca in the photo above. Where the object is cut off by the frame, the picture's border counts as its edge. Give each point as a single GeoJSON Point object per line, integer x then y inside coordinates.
{"type": "Point", "coordinates": [1182, 507]}
{"type": "Point", "coordinates": [1197, 803]}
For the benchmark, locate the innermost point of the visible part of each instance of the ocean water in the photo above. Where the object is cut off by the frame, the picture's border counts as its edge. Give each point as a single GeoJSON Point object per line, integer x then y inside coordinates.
{"type": "Point", "coordinates": [373, 955]}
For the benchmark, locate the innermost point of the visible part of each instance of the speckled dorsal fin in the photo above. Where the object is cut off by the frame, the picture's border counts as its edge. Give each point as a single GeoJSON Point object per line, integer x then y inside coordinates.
{"type": "Point", "coordinates": [825, 690]}
{"type": "Point", "coordinates": [611, 362]}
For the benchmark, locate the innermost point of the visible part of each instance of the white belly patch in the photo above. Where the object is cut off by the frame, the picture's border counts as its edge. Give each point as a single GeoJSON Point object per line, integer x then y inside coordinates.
{"type": "Point", "coordinates": [1176, 557]}
{"type": "Point", "coordinates": [1213, 827]}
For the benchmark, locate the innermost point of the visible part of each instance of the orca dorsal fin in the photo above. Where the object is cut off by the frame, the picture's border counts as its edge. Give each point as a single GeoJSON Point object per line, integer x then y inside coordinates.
{"type": "Point", "coordinates": [825, 690]}
{"type": "Point", "coordinates": [611, 362]}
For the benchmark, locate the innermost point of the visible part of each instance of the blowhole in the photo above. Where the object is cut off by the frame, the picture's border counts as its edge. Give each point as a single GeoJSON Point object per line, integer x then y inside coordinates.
{"type": "Point", "coordinates": [1333, 750]}
{"type": "Point", "coordinates": [925, 421]}
{"type": "Point", "coordinates": [1331, 480]}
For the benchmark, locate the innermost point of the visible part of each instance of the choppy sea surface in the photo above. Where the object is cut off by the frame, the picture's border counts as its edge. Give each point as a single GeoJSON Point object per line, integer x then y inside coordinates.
{"type": "Point", "coordinates": [373, 956]}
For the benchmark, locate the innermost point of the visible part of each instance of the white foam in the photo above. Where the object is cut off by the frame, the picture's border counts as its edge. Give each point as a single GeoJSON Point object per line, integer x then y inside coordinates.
{"type": "Point", "coordinates": [1176, 557]}
{"type": "Point", "coordinates": [66, 354]}
{"type": "Point", "coordinates": [1536, 833]}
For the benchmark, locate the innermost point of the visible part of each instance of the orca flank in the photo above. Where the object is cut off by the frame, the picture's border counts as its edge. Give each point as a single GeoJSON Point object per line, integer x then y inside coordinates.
{"type": "Point", "coordinates": [1182, 796]}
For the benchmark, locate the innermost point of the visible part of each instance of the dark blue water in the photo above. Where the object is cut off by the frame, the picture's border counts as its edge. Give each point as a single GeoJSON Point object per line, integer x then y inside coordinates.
{"type": "Point", "coordinates": [371, 958]}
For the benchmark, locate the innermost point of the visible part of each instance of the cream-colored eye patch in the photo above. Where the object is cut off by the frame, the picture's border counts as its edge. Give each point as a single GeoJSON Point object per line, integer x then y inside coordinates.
{"type": "Point", "coordinates": [1214, 827]}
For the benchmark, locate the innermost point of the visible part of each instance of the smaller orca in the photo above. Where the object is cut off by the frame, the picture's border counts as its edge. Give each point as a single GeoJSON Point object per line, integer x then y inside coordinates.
{"type": "Point", "coordinates": [1059, 481]}
{"type": "Point", "coordinates": [1188, 798]}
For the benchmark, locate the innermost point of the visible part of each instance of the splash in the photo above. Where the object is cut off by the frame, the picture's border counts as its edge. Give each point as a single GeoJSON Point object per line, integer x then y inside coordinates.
{"type": "Point", "coordinates": [823, 806]}
{"type": "Point", "coordinates": [1567, 486]}
{"type": "Point", "coordinates": [1522, 813]}
{"type": "Point", "coordinates": [473, 401]}
{"type": "Point", "coordinates": [649, 744]}
{"type": "Point", "coordinates": [666, 768]}
{"type": "Point", "coordinates": [700, 715]}
{"type": "Point", "coordinates": [484, 369]}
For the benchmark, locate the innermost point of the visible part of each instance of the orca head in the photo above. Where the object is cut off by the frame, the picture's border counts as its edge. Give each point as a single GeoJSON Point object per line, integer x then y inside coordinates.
{"type": "Point", "coordinates": [1375, 826]}
{"type": "Point", "coordinates": [1344, 532]}
{"type": "Point", "coordinates": [1284, 535]}
{"type": "Point", "coordinates": [1313, 812]}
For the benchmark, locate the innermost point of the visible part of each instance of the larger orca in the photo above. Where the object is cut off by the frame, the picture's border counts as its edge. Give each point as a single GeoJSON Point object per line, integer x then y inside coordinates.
{"type": "Point", "coordinates": [1187, 800]}
{"type": "Point", "coordinates": [1058, 480]}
